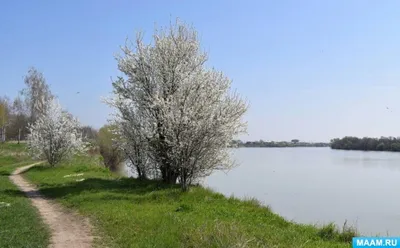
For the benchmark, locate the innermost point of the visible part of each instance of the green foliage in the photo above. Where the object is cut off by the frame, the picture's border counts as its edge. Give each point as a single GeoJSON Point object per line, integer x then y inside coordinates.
{"type": "Point", "coordinates": [4, 113]}
{"type": "Point", "coordinates": [367, 144]}
{"type": "Point", "coordinates": [144, 213]}
{"type": "Point", "coordinates": [112, 155]}
{"type": "Point", "coordinates": [4, 117]}
{"type": "Point", "coordinates": [89, 134]}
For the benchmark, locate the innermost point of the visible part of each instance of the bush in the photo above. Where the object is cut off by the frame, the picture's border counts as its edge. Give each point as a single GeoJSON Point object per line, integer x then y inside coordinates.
{"type": "Point", "coordinates": [113, 157]}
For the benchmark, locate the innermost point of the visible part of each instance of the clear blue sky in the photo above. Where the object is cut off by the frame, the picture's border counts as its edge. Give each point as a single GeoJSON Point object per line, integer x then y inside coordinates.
{"type": "Point", "coordinates": [312, 70]}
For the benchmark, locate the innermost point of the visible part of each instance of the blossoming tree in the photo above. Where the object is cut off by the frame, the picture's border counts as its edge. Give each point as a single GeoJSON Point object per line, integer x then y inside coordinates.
{"type": "Point", "coordinates": [55, 135]}
{"type": "Point", "coordinates": [184, 113]}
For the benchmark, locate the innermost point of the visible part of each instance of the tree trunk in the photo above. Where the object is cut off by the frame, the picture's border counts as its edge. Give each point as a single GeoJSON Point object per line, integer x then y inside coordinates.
{"type": "Point", "coordinates": [139, 172]}
{"type": "Point", "coordinates": [172, 176]}
{"type": "Point", "coordinates": [184, 180]}
{"type": "Point", "coordinates": [185, 186]}
{"type": "Point", "coordinates": [168, 175]}
{"type": "Point", "coordinates": [19, 135]}
{"type": "Point", "coordinates": [163, 173]}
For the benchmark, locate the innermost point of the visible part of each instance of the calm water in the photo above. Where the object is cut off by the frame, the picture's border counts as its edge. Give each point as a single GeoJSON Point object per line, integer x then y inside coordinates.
{"type": "Point", "coordinates": [319, 185]}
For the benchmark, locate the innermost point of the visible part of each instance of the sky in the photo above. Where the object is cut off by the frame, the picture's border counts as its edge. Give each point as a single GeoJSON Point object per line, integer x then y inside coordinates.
{"type": "Point", "coordinates": [310, 70]}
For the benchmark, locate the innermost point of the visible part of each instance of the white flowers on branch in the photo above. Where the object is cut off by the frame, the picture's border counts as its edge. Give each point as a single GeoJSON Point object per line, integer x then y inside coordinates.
{"type": "Point", "coordinates": [133, 144]}
{"type": "Point", "coordinates": [178, 113]}
{"type": "Point", "coordinates": [55, 135]}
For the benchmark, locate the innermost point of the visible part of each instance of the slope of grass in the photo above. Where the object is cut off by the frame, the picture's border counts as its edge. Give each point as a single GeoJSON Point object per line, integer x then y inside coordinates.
{"type": "Point", "coordinates": [20, 225]}
{"type": "Point", "coordinates": [132, 213]}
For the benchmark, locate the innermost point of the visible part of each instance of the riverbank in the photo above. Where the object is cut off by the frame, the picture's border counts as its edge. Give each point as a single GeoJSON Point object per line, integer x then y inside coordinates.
{"type": "Point", "coordinates": [129, 213]}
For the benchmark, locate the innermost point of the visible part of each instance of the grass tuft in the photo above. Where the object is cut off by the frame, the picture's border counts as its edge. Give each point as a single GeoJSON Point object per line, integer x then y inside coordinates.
{"type": "Point", "coordinates": [332, 232]}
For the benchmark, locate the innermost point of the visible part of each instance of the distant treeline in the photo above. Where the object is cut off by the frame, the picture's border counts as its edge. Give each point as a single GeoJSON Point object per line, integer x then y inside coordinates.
{"type": "Point", "coordinates": [367, 144]}
{"type": "Point", "coordinates": [261, 143]}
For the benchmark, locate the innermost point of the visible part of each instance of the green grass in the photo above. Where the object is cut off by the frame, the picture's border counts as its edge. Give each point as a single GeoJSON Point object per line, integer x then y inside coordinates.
{"type": "Point", "coordinates": [12, 155]}
{"type": "Point", "coordinates": [14, 148]}
{"type": "Point", "coordinates": [331, 232]}
{"type": "Point", "coordinates": [131, 213]}
{"type": "Point", "coordinates": [20, 225]}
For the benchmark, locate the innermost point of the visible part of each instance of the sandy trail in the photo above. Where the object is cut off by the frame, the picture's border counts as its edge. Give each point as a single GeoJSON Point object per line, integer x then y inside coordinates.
{"type": "Point", "coordinates": [67, 229]}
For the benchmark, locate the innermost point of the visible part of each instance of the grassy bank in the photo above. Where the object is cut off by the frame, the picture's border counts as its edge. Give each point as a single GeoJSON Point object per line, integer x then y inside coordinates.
{"type": "Point", "coordinates": [20, 225]}
{"type": "Point", "coordinates": [131, 213]}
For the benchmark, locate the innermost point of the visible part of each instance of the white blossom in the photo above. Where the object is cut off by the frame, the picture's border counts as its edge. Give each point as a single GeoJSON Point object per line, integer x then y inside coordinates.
{"type": "Point", "coordinates": [180, 113]}
{"type": "Point", "coordinates": [55, 135]}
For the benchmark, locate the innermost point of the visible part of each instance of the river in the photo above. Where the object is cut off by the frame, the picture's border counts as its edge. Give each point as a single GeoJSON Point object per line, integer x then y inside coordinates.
{"type": "Point", "coordinates": [319, 185]}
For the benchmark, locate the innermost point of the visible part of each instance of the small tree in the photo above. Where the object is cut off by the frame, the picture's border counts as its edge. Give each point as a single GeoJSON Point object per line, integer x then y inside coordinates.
{"type": "Point", "coordinates": [36, 94]}
{"type": "Point", "coordinates": [109, 150]}
{"type": "Point", "coordinates": [187, 113]}
{"type": "Point", "coordinates": [134, 145]}
{"type": "Point", "coordinates": [295, 141]}
{"type": "Point", "coordinates": [89, 134]}
{"type": "Point", "coordinates": [55, 135]}
{"type": "Point", "coordinates": [4, 117]}
{"type": "Point", "coordinates": [19, 120]}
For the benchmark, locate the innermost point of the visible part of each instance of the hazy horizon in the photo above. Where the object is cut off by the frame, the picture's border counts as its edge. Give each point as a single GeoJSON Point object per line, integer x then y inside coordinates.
{"type": "Point", "coordinates": [311, 70]}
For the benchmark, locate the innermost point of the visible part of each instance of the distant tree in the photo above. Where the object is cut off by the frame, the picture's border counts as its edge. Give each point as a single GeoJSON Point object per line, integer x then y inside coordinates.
{"type": "Point", "coordinates": [18, 125]}
{"type": "Point", "coordinates": [37, 94]}
{"type": "Point", "coordinates": [236, 143]}
{"type": "Point", "coordinates": [395, 147]}
{"type": "Point", "coordinates": [4, 117]}
{"type": "Point", "coordinates": [380, 147]}
{"type": "Point", "coordinates": [89, 134]}
{"type": "Point", "coordinates": [372, 144]}
{"type": "Point", "coordinates": [112, 155]}
{"type": "Point", "coordinates": [295, 141]}
{"type": "Point", "coordinates": [55, 135]}
{"type": "Point", "coordinates": [367, 144]}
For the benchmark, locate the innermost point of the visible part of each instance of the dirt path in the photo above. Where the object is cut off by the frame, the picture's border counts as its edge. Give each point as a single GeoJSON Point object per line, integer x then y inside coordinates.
{"type": "Point", "coordinates": [67, 229]}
